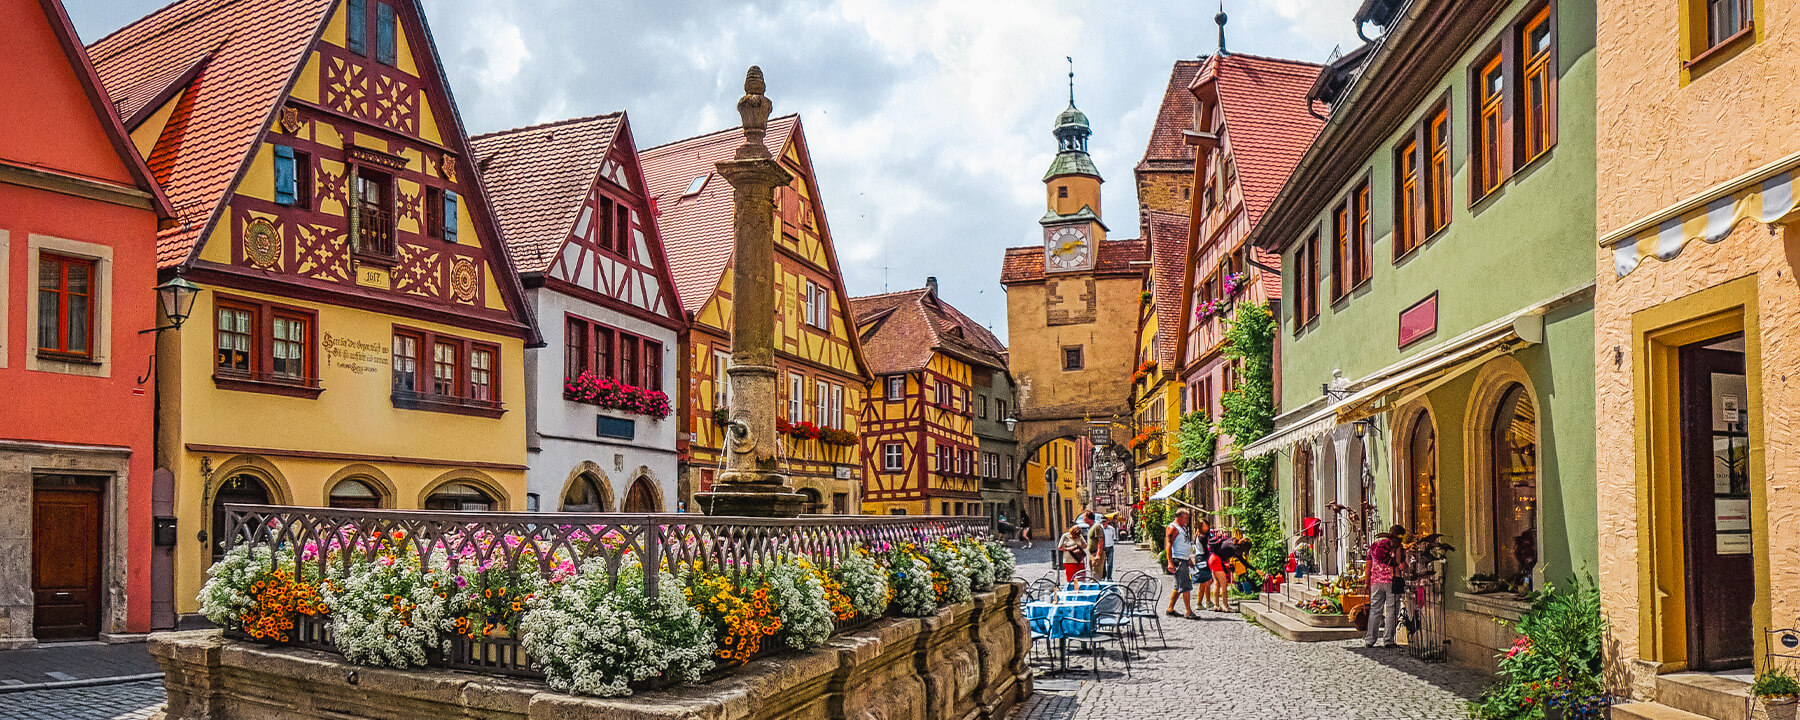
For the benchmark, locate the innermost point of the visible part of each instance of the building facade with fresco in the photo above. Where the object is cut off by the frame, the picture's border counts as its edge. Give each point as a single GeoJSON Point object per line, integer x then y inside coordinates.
{"type": "Point", "coordinates": [359, 338]}
{"type": "Point", "coordinates": [571, 200]}
{"type": "Point", "coordinates": [921, 452]}
{"type": "Point", "coordinates": [822, 375]}
{"type": "Point", "coordinates": [77, 266]}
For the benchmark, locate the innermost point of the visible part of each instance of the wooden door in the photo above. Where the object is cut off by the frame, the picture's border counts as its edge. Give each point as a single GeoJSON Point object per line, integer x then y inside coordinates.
{"type": "Point", "coordinates": [65, 559]}
{"type": "Point", "coordinates": [1721, 578]}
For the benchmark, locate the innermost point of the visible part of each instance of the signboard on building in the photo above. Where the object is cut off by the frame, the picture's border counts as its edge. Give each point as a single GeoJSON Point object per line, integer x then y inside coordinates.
{"type": "Point", "coordinates": [1100, 435]}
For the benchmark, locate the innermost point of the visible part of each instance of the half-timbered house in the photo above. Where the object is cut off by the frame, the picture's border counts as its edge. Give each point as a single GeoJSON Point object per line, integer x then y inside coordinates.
{"type": "Point", "coordinates": [570, 199]}
{"type": "Point", "coordinates": [921, 455]}
{"type": "Point", "coordinates": [822, 375]}
{"type": "Point", "coordinates": [359, 340]}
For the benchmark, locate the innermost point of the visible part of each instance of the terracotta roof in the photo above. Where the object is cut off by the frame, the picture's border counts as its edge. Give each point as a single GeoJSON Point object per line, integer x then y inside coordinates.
{"type": "Point", "coordinates": [1168, 260]}
{"type": "Point", "coordinates": [1167, 150]}
{"type": "Point", "coordinates": [537, 179]}
{"type": "Point", "coordinates": [902, 330]}
{"type": "Point", "coordinates": [1267, 125]}
{"type": "Point", "coordinates": [1271, 280]}
{"type": "Point", "coordinates": [258, 46]}
{"type": "Point", "coordinates": [696, 230]}
{"type": "Point", "coordinates": [1026, 264]}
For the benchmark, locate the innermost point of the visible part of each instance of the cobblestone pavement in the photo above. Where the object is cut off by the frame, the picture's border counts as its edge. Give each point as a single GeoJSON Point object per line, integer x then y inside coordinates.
{"type": "Point", "coordinates": [124, 701]}
{"type": "Point", "coordinates": [1223, 667]}
{"type": "Point", "coordinates": [62, 662]}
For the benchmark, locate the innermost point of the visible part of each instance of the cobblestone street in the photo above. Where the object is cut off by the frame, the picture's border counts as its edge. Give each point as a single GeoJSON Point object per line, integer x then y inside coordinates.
{"type": "Point", "coordinates": [1221, 666]}
{"type": "Point", "coordinates": [124, 701]}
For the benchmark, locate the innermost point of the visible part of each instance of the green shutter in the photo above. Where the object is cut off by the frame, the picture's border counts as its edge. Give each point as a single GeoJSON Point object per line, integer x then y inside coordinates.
{"type": "Point", "coordinates": [384, 33]}
{"type": "Point", "coordinates": [449, 216]}
{"type": "Point", "coordinates": [284, 175]}
{"type": "Point", "coordinates": [356, 30]}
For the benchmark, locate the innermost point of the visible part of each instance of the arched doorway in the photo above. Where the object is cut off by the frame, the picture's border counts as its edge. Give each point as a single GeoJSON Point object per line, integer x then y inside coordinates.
{"type": "Point", "coordinates": [584, 495]}
{"type": "Point", "coordinates": [1514, 443]}
{"type": "Point", "coordinates": [814, 503]}
{"type": "Point", "coordinates": [1421, 476]}
{"type": "Point", "coordinates": [242, 488]}
{"type": "Point", "coordinates": [1303, 485]}
{"type": "Point", "coordinates": [459, 497]}
{"type": "Point", "coordinates": [641, 497]}
{"type": "Point", "coordinates": [354, 493]}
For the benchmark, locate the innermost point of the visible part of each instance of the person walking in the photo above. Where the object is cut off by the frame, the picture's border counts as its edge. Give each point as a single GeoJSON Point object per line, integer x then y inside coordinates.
{"type": "Point", "coordinates": [1110, 526]}
{"type": "Point", "coordinates": [1386, 586]}
{"type": "Point", "coordinates": [1180, 563]}
{"type": "Point", "coordinates": [1025, 530]}
{"type": "Point", "coordinates": [1203, 575]}
{"type": "Point", "coordinates": [1224, 551]}
{"type": "Point", "coordinates": [1095, 536]}
{"type": "Point", "coordinates": [1071, 551]}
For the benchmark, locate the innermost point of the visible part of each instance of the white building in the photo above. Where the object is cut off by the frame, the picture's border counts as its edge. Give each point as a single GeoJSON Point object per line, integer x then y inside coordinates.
{"type": "Point", "coordinates": [571, 202]}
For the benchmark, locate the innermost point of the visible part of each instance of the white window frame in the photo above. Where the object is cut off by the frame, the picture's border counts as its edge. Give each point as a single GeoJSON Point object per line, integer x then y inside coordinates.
{"type": "Point", "coordinates": [891, 381]}
{"type": "Point", "coordinates": [822, 309]}
{"type": "Point", "coordinates": [821, 403]}
{"type": "Point", "coordinates": [893, 457]}
{"type": "Point", "coordinates": [796, 398]}
{"type": "Point", "coordinates": [837, 406]}
{"type": "Point", "coordinates": [807, 306]}
{"type": "Point", "coordinates": [721, 379]}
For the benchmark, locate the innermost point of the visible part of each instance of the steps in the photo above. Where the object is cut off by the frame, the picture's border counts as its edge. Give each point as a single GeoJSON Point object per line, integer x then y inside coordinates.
{"type": "Point", "coordinates": [1292, 629]}
{"type": "Point", "coordinates": [1691, 696]}
{"type": "Point", "coordinates": [1313, 619]}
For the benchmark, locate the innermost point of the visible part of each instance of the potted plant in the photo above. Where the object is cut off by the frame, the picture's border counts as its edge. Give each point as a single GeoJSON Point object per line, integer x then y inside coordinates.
{"type": "Point", "coordinates": [1775, 686]}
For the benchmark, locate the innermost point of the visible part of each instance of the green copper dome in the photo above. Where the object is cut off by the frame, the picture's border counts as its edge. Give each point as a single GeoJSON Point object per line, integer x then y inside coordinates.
{"type": "Point", "coordinates": [1071, 117]}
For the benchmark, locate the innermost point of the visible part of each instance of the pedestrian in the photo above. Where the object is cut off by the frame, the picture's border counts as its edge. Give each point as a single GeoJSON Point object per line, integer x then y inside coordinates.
{"type": "Point", "coordinates": [1071, 551]}
{"type": "Point", "coordinates": [1085, 520]}
{"type": "Point", "coordinates": [1025, 530]}
{"type": "Point", "coordinates": [1203, 575]}
{"type": "Point", "coordinates": [1112, 530]}
{"type": "Point", "coordinates": [1224, 551]}
{"type": "Point", "coordinates": [1095, 536]}
{"type": "Point", "coordinates": [1180, 562]}
{"type": "Point", "coordinates": [1386, 586]}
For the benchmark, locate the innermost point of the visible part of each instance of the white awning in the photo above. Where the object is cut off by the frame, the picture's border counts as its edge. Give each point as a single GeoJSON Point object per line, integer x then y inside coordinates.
{"type": "Point", "coordinates": [1416, 374]}
{"type": "Point", "coordinates": [1176, 485]}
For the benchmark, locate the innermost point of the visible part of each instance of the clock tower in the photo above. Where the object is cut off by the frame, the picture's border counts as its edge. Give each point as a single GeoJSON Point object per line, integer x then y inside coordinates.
{"type": "Point", "coordinates": [1072, 227]}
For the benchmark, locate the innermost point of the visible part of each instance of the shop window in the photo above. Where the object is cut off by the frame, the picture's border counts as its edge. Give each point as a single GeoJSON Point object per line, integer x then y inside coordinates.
{"type": "Point", "coordinates": [66, 307]}
{"type": "Point", "coordinates": [460, 497]}
{"type": "Point", "coordinates": [355, 494]}
{"type": "Point", "coordinates": [1421, 469]}
{"type": "Point", "coordinates": [1514, 449]}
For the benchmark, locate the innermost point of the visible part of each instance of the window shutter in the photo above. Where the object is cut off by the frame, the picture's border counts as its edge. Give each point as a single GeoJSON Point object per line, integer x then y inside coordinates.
{"type": "Point", "coordinates": [384, 33]}
{"type": "Point", "coordinates": [449, 216]}
{"type": "Point", "coordinates": [356, 29]}
{"type": "Point", "coordinates": [284, 175]}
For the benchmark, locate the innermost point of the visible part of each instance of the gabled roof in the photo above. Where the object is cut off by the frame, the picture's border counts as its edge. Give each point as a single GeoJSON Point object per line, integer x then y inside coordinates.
{"type": "Point", "coordinates": [102, 106]}
{"type": "Point", "coordinates": [538, 177]}
{"type": "Point", "coordinates": [257, 47]}
{"type": "Point", "coordinates": [1114, 257]}
{"type": "Point", "coordinates": [1167, 150]}
{"type": "Point", "coordinates": [697, 232]}
{"type": "Point", "coordinates": [900, 332]}
{"type": "Point", "coordinates": [1168, 259]}
{"type": "Point", "coordinates": [1268, 125]}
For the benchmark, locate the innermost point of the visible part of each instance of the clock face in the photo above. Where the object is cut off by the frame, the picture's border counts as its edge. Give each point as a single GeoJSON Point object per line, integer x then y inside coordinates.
{"type": "Point", "coordinates": [1067, 249]}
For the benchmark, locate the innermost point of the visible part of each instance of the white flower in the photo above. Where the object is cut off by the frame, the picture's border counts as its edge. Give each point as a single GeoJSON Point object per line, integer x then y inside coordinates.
{"type": "Point", "coordinates": [591, 636]}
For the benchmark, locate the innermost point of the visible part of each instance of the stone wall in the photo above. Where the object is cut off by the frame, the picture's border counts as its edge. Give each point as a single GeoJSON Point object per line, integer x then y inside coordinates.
{"type": "Point", "coordinates": [966, 662]}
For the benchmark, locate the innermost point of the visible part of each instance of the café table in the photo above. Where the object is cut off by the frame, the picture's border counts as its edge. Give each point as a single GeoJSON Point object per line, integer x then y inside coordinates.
{"type": "Point", "coordinates": [1061, 619]}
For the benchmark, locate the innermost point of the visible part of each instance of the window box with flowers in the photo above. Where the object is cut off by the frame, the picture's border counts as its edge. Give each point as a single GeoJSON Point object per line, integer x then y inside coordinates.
{"type": "Point", "coordinates": [611, 394]}
{"type": "Point", "coordinates": [1143, 439]}
{"type": "Point", "coordinates": [1143, 371]}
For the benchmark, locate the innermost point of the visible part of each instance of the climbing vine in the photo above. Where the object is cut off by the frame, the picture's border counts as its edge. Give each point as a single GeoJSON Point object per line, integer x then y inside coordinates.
{"type": "Point", "coordinates": [1249, 414]}
{"type": "Point", "coordinates": [1196, 443]}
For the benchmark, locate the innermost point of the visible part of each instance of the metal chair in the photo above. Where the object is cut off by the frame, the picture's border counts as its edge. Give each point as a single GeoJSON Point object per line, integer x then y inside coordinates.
{"type": "Point", "coordinates": [1146, 590]}
{"type": "Point", "coordinates": [1082, 576]}
{"type": "Point", "coordinates": [1110, 625]}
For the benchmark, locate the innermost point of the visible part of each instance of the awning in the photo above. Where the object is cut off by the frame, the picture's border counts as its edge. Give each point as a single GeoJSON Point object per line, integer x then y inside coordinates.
{"type": "Point", "coordinates": [1765, 195]}
{"type": "Point", "coordinates": [1417, 374]}
{"type": "Point", "coordinates": [1176, 485]}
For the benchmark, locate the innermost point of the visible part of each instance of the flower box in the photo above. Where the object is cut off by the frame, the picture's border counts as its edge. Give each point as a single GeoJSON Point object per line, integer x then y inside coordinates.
{"type": "Point", "coordinates": [611, 394]}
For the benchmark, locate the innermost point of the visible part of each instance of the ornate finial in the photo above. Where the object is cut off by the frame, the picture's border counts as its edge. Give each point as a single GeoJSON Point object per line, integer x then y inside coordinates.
{"type": "Point", "coordinates": [1220, 19]}
{"type": "Point", "coordinates": [1071, 79]}
{"type": "Point", "coordinates": [753, 109]}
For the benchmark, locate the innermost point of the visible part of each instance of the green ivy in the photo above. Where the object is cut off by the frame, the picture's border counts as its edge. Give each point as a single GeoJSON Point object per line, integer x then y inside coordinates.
{"type": "Point", "coordinates": [1195, 445]}
{"type": "Point", "coordinates": [1248, 415]}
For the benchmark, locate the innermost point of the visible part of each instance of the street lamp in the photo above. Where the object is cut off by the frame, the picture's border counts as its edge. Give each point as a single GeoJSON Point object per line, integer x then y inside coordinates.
{"type": "Point", "coordinates": [1011, 423]}
{"type": "Point", "coordinates": [177, 298]}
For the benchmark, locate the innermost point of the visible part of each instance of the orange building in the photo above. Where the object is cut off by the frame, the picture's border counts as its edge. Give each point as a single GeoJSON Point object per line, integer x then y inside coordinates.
{"type": "Point", "coordinates": [77, 264]}
{"type": "Point", "coordinates": [1697, 364]}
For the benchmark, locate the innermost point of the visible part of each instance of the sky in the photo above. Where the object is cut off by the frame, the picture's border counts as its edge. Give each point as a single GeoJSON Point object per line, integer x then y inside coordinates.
{"type": "Point", "coordinates": [928, 120]}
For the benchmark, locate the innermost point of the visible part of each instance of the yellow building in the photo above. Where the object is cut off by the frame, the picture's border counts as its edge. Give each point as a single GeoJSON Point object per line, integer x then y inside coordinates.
{"type": "Point", "coordinates": [921, 454]}
{"type": "Point", "coordinates": [359, 340]}
{"type": "Point", "coordinates": [1054, 486]}
{"type": "Point", "coordinates": [822, 376]}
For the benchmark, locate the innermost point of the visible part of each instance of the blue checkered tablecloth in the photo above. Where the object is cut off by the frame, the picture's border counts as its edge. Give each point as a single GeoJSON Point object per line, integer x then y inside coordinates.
{"type": "Point", "coordinates": [1059, 619]}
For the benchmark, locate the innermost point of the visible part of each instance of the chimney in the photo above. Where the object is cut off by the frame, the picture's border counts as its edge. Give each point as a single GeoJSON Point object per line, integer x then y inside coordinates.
{"type": "Point", "coordinates": [931, 287]}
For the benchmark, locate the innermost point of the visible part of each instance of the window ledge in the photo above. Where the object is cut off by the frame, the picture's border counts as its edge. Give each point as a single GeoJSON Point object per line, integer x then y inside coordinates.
{"type": "Point", "coordinates": [1728, 46]}
{"type": "Point", "coordinates": [56, 357]}
{"type": "Point", "coordinates": [308, 388]}
{"type": "Point", "coordinates": [446, 404]}
{"type": "Point", "coordinates": [1500, 605]}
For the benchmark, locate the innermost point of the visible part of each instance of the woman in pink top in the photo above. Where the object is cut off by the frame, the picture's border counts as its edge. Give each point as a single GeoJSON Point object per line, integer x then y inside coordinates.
{"type": "Point", "coordinates": [1385, 587]}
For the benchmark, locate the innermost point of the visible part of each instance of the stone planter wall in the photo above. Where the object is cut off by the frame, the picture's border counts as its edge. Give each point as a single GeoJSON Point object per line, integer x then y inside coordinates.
{"type": "Point", "coordinates": [966, 662]}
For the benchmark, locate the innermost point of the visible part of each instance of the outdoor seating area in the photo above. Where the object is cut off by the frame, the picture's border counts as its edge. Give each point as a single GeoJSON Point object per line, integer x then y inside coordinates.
{"type": "Point", "coordinates": [1092, 616]}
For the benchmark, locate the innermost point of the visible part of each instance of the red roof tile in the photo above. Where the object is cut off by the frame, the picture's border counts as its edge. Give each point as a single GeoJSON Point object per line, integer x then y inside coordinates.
{"type": "Point", "coordinates": [537, 179]}
{"type": "Point", "coordinates": [1167, 149]}
{"type": "Point", "coordinates": [1168, 260]}
{"type": "Point", "coordinates": [902, 330]}
{"type": "Point", "coordinates": [259, 46]}
{"type": "Point", "coordinates": [1116, 257]}
{"type": "Point", "coordinates": [1267, 124]}
{"type": "Point", "coordinates": [697, 233]}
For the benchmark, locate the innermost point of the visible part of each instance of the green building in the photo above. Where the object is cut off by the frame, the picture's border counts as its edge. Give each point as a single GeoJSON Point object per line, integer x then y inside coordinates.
{"type": "Point", "coordinates": [1437, 336]}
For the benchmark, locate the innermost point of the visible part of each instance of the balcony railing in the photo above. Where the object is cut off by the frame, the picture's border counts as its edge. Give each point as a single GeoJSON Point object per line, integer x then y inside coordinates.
{"type": "Point", "coordinates": [375, 232]}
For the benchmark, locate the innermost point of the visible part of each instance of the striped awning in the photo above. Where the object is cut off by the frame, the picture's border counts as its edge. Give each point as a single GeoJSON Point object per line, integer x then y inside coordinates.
{"type": "Point", "coordinates": [1764, 195]}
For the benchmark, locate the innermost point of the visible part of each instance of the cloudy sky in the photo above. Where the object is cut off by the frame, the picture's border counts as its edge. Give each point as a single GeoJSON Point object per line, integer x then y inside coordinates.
{"type": "Point", "coordinates": [928, 120]}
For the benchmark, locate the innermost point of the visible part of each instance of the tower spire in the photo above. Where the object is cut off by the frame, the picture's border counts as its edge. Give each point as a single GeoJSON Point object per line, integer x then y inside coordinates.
{"type": "Point", "coordinates": [1071, 79]}
{"type": "Point", "coordinates": [1220, 19]}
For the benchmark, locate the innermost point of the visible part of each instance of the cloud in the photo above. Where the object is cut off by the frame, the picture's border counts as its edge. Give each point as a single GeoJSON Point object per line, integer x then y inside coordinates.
{"type": "Point", "coordinates": [928, 120]}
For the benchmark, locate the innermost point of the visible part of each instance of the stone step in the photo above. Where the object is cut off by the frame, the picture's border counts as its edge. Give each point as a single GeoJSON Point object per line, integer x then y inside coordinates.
{"type": "Point", "coordinates": [1711, 696]}
{"type": "Point", "coordinates": [1313, 619]}
{"type": "Point", "coordinates": [1650, 711]}
{"type": "Point", "coordinates": [1291, 629]}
